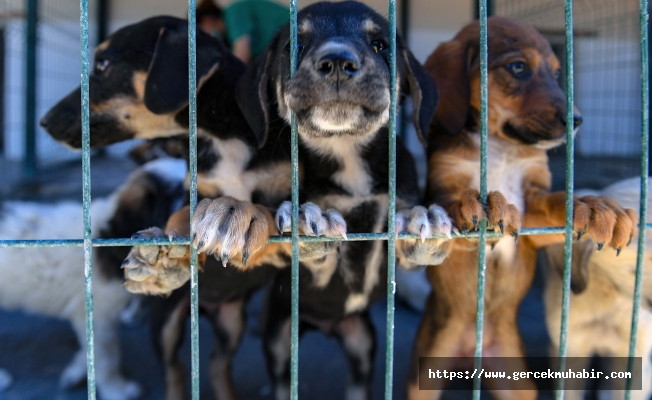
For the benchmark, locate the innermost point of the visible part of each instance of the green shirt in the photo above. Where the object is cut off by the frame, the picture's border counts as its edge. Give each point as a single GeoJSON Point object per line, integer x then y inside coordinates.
{"type": "Point", "coordinates": [260, 19]}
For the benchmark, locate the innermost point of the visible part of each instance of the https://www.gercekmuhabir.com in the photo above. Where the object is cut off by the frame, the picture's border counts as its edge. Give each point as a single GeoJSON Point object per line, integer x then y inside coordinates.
{"type": "Point", "coordinates": [519, 374]}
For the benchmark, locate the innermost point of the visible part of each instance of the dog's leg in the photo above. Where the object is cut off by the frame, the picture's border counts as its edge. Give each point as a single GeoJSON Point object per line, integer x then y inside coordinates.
{"type": "Point", "coordinates": [599, 218]}
{"type": "Point", "coordinates": [228, 324]}
{"type": "Point", "coordinates": [356, 334]}
{"type": "Point", "coordinates": [167, 332]}
{"type": "Point", "coordinates": [507, 343]}
{"type": "Point", "coordinates": [277, 350]}
{"type": "Point", "coordinates": [438, 336]}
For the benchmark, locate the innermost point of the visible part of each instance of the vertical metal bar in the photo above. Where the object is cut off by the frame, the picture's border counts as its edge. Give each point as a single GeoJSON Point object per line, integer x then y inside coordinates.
{"type": "Point", "coordinates": [294, 329]}
{"type": "Point", "coordinates": [645, 154]}
{"type": "Point", "coordinates": [482, 246]}
{"type": "Point", "coordinates": [570, 165]}
{"type": "Point", "coordinates": [86, 198]}
{"type": "Point", "coordinates": [192, 126]}
{"type": "Point", "coordinates": [29, 162]}
{"type": "Point", "coordinates": [489, 6]}
{"type": "Point", "coordinates": [391, 214]}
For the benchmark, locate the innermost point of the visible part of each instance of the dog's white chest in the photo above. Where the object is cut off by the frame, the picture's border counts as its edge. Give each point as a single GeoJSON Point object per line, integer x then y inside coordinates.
{"type": "Point", "coordinates": [228, 174]}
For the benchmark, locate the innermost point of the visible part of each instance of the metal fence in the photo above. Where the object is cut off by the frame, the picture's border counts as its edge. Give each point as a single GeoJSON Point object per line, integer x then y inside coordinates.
{"type": "Point", "coordinates": [88, 243]}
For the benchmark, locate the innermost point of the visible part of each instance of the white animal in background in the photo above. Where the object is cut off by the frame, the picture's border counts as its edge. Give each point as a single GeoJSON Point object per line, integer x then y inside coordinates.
{"type": "Point", "coordinates": [50, 281]}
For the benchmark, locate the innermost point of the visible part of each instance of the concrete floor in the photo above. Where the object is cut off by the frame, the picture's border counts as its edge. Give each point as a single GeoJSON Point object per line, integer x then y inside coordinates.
{"type": "Point", "coordinates": [35, 349]}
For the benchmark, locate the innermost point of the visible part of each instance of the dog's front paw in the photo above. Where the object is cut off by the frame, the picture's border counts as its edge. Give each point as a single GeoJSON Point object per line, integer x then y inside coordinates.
{"type": "Point", "coordinates": [605, 221]}
{"type": "Point", "coordinates": [468, 211]}
{"type": "Point", "coordinates": [227, 227]}
{"type": "Point", "coordinates": [424, 223]}
{"type": "Point", "coordinates": [156, 269]}
{"type": "Point", "coordinates": [312, 222]}
{"type": "Point", "coordinates": [502, 215]}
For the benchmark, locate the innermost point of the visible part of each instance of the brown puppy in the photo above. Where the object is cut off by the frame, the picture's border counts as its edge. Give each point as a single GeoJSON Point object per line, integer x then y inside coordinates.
{"type": "Point", "coordinates": [526, 117]}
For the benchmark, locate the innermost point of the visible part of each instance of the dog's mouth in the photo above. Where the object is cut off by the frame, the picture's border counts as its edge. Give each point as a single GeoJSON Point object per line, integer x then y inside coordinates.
{"type": "Point", "coordinates": [545, 137]}
{"type": "Point", "coordinates": [341, 118]}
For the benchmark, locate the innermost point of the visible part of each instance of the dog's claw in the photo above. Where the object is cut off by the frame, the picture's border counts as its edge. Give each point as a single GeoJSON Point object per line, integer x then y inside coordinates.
{"type": "Point", "coordinates": [600, 246]}
{"type": "Point", "coordinates": [493, 245]}
{"type": "Point", "coordinates": [465, 229]}
{"type": "Point", "coordinates": [515, 236]}
{"type": "Point", "coordinates": [423, 232]}
{"type": "Point", "coordinates": [225, 259]}
{"type": "Point", "coordinates": [313, 226]}
{"type": "Point", "coordinates": [135, 236]}
{"type": "Point", "coordinates": [618, 250]}
{"type": "Point", "coordinates": [475, 221]}
{"type": "Point", "coordinates": [629, 242]}
{"type": "Point", "coordinates": [501, 224]}
{"type": "Point", "coordinates": [125, 262]}
{"type": "Point", "coordinates": [579, 235]}
{"type": "Point", "coordinates": [245, 257]}
{"type": "Point", "coordinates": [280, 225]}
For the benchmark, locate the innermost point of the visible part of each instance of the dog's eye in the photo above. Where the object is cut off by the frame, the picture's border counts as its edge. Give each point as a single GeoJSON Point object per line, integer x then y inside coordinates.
{"type": "Point", "coordinates": [300, 47]}
{"type": "Point", "coordinates": [378, 45]}
{"type": "Point", "coordinates": [101, 65]}
{"type": "Point", "coordinates": [557, 73]}
{"type": "Point", "coordinates": [518, 69]}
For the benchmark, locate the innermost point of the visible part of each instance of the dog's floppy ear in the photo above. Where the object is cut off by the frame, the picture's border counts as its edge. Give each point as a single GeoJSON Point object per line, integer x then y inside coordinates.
{"type": "Point", "coordinates": [422, 90]}
{"type": "Point", "coordinates": [582, 252]}
{"type": "Point", "coordinates": [252, 95]}
{"type": "Point", "coordinates": [166, 88]}
{"type": "Point", "coordinates": [450, 66]}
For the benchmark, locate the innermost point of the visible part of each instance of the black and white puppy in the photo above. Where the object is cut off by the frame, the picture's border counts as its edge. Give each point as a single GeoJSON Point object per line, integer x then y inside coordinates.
{"type": "Point", "coordinates": [340, 95]}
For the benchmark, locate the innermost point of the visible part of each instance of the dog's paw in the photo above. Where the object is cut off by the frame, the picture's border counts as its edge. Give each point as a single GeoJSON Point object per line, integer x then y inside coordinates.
{"type": "Point", "coordinates": [502, 216]}
{"type": "Point", "coordinates": [605, 221]}
{"type": "Point", "coordinates": [312, 222]}
{"type": "Point", "coordinates": [227, 227]}
{"type": "Point", "coordinates": [156, 269]}
{"type": "Point", "coordinates": [424, 223]}
{"type": "Point", "coordinates": [468, 211]}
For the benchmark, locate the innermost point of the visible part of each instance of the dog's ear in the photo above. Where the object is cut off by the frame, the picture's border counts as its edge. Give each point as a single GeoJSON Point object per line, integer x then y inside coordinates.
{"type": "Point", "coordinates": [582, 252]}
{"type": "Point", "coordinates": [450, 66]}
{"type": "Point", "coordinates": [252, 95]}
{"type": "Point", "coordinates": [422, 90]}
{"type": "Point", "coordinates": [166, 88]}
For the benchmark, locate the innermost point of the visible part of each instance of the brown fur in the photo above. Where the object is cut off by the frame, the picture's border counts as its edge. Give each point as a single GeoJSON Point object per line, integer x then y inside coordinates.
{"type": "Point", "coordinates": [525, 117]}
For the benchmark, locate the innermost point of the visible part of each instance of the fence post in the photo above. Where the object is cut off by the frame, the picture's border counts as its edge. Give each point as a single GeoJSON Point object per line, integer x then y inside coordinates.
{"type": "Point", "coordinates": [29, 160]}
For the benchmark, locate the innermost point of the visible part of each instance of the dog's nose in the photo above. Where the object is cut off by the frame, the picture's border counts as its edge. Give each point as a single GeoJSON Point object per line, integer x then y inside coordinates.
{"type": "Point", "coordinates": [341, 65]}
{"type": "Point", "coordinates": [577, 120]}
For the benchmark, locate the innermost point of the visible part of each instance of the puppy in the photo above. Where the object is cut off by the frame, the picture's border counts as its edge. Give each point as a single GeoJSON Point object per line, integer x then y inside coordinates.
{"type": "Point", "coordinates": [50, 281]}
{"type": "Point", "coordinates": [527, 116]}
{"type": "Point", "coordinates": [138, 89]}
{"type": "Point", "coordinates": [603, 290]}
{"type": "Point", "coordinates": [340, 96]}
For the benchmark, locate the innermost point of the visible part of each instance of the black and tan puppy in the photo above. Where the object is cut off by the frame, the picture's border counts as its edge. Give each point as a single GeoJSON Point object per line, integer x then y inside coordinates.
{"type": "Point", "coordinates": [341, 96]}
{"type": "Point", "coordinates": [138, 89]}
{"type": "Point", "coordinates": [526, 116]}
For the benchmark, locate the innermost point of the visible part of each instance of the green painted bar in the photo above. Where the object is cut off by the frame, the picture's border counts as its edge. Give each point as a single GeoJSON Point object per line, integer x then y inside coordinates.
{"type": "Point", "coordinates": [482, 245]}
{"type": "Point", "coordinates": [192, 127]}
{"type": "Point", "coordinates": [294, 328]}
{"type": "Point", "coordinates": [86, 198]}
{"type": "Point", "coordinates": [391, 221]}
{"type": "Point", "coordinates": [274, 239]}
{"type": "Point", "coordinates": [570, 153]}
{"type": "Point", "coordinates": [645, 156]}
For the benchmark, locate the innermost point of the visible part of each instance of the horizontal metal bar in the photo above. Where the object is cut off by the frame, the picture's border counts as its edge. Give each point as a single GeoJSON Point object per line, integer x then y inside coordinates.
{"type": "Point", "coordinates": [351, 237]}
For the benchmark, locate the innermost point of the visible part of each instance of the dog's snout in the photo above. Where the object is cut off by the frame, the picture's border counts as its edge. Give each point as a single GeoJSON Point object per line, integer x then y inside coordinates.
{"type": "Point", "coordinates": [341, 64]}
